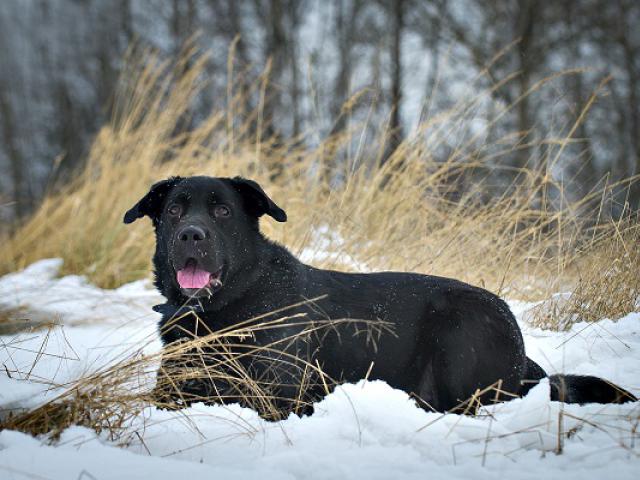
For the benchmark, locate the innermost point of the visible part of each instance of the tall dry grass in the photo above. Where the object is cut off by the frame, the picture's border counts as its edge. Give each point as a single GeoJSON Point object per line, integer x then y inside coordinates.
{"type": "Point", "coordinates": [408, 213]}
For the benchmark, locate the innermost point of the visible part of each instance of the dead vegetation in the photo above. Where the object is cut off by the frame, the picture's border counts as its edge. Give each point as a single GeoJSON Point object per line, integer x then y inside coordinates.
{"type": "Point", "coordinates": [606, 283]}
{"type": "Point", "coordinates": [108, 399]}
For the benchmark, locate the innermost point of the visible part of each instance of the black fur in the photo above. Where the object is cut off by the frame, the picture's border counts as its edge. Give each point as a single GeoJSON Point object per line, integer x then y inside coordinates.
{"type": "Point", "coordinates": [436, 338]}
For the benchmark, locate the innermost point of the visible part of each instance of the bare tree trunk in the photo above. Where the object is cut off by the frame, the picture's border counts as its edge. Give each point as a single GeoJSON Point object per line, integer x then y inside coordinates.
{"type": "Point", "coordinates": [183, 27]}
{"type": "Point", "coordinates": [229, 24]}
{"type": "Point", "coordinates": [525, 28]}
{"type": "Point", "coordinates": [294, 21]}
{"type": "Point", "coordinates": [585, 171]}
{"type": "Point", "coordinates": [630, 56]}
{"type": "Point", "coordinates": [182, 24]}
{"type": "Point", "coordinates": [434, 45]}
{"type": "Point", "coordinates": [126, 20]}
{"type": "Point", "coordinates": [344, 27]}
{"type": "Point", "coordinates": [395, 123]}
{"type": "Point", "coordinates": [16, 162]}
{"type": "Point", "coordinates": [275, 48]}
{"type": "Point", "coordinates": [633, 80]}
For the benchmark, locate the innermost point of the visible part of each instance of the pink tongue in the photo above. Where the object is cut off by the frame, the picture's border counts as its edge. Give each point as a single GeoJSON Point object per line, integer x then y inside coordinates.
{"type": "Point", "coordinates": [193, 277]}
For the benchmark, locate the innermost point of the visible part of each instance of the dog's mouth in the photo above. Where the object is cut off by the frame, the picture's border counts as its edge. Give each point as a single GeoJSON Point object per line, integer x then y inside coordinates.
{"type": "Point", "coordinates": [193, 278]}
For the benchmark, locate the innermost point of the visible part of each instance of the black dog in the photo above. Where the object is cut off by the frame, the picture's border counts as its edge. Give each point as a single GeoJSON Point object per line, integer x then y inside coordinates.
{"type": "Point", "coordinates": [439, 339]}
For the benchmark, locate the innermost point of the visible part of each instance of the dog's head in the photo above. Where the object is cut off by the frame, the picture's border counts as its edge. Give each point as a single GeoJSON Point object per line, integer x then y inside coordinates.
{"type": "Point", "coordinates": [206, 231]}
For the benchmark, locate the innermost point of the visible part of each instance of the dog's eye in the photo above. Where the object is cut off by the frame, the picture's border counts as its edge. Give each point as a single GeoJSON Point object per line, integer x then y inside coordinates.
{"type": "Point", "coordinates": [175, 209]}
{"type": "Point", "coordinates": [221, 211]}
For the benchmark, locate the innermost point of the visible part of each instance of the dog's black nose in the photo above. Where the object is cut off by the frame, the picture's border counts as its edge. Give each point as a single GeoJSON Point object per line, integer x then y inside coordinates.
{"type": "Point", "coordinates": [191, 233]}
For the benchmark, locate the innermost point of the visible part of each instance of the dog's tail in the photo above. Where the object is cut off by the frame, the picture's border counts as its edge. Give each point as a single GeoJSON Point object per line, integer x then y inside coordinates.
{"type": "Point", "coordinates": [575, 388]}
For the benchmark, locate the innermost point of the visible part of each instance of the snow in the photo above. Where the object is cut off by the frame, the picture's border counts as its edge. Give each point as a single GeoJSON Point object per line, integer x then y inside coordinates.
{"type": "Point", "coordinates": [72, 299]}
{"type": "Point", "coordinates": [325, 247]}
{"type": "Point", "coordinates": [364, 430]}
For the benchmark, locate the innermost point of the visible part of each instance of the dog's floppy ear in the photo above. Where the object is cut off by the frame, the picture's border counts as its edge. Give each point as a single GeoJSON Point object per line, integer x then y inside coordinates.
{"type": "Point", "coordinates": [151, 203]}
{"type": "Point", "coordinates": [256, 200]}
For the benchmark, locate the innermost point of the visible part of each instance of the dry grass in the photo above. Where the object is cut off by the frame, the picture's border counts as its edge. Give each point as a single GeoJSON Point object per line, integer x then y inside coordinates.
{"type": "Point", "coordinates": [109, 399]}
{"type": "Point", "coordinates": [411, 213]}
{"type": "Point", "coordinates": [607, 283]}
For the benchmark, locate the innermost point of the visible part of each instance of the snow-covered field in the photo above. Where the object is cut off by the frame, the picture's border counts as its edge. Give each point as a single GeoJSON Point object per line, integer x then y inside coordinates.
{"type": "Point", "coordinates": [367, 430]}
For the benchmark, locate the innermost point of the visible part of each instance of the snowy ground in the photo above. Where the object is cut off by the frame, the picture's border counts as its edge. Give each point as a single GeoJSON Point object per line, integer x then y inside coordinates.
{"type": "Point", "coordinates": [360, 431]}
